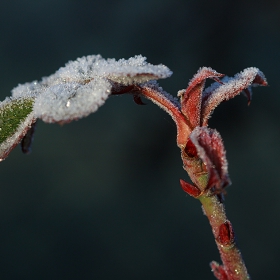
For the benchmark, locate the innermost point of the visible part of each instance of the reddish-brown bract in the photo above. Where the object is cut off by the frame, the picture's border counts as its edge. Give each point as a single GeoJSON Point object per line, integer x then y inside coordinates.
{"type": "Point", "coordinates": [191, 100]}
{"type": "Point", "coordinates": [210, 149]}
{"type": "Point", "coordinates": [190, 189]}
{"type": "Point", "coordinates": [218, 271]}
{"type": "Point", "coordinates": [226, 234]}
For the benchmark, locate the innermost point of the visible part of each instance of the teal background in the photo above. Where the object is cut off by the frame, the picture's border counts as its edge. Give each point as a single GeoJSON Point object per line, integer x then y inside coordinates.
{"type": "Point", "coordinates": [100, 198]}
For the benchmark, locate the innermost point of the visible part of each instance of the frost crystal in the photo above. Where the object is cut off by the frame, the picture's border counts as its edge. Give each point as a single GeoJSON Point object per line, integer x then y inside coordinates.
{"type": "Point", "coordinates": [83, 85]}
{"type": "Point", "coordinates": [65, 102]}
{"type": "Point", "coordinates": [229, 88]}
{"type": "Point", "coordinates": [131, 71]}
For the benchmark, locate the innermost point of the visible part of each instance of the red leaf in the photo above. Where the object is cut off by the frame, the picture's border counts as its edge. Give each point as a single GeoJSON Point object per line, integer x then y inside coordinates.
{"type": "Point", "coordinates": [219, 271]}
{"type": "Point", "coordinates": [231, 87]}
{"type": "Point", "coordinates": [210, 149]}
{"type": "Point", "coordinates": [191, 99]}
{"type": "Point", "coordinates": [167, 102]}
{"type": "Point", "coordinates": [190, 149]}
{"type": "Point", "coordinates": [190, 189]}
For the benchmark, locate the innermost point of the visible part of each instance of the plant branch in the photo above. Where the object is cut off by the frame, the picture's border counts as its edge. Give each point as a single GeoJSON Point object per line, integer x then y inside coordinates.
{"type": "Point", "coordinates": [233, 267]}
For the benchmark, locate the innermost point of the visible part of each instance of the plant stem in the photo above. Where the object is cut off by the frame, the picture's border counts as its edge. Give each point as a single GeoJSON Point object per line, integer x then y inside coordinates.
{"type": "Point", "coordinates": [233, 264]}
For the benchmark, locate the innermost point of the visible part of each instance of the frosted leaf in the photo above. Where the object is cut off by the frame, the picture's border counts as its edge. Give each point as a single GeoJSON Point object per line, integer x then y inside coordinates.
{"type": "Point", "coordinates": [154, 85]}
{"type": "Point", "coordinates": [32, 89]}
{"type": "Point", "coordinates": [16, 118]}
{"type": "Point", "coordinates": [74, 91]}
{"type": "Point", "coordinates": [209, 147]}
{"type": "Point", "coordinates": [131, 71]}
{"type": "Point", "coordinates": [231, 87]}
{"type": "Point", "coordinates": [191, 99]}
{"type": "Point", "coordinates": [82, 86]}
{"type": "Point", "coordinates": [136, 70]}
{"type": "Point", "coordinates": [69, 101]}
{"type": "Point", "coordinates": [164, 100]}
{"type": "Point", "coordinates": [170, 104]}
{"type": "Point", "coordinates": [202, 74]}
{"type": "Point", "coordinates": [208, 91]}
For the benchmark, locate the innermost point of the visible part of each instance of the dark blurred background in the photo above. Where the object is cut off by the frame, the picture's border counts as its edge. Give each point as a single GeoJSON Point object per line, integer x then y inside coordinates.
{"type": "Point", "coordinates": [100, 198]}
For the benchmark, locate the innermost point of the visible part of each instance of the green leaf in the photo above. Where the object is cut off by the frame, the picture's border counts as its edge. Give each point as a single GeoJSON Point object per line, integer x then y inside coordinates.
{"type": "Point", "coordinates": [16, 117]}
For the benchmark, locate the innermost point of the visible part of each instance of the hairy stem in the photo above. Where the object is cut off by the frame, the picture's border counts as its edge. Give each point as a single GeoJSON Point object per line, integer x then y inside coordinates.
{"type": "Point", "coordinates": [233, 265]}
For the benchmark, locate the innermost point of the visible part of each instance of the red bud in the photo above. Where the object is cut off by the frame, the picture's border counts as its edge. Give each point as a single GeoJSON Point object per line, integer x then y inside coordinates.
{"type": "Point", "coordinates": [190, 189]}
{"type": "Point", "coordinates": [226, 234]}
{"type": "Point", "coordinates": [219, 271]}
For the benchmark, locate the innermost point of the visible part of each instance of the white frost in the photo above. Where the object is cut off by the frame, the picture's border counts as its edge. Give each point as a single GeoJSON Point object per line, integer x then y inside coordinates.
{"type": "Point", "coordinates": [231, 87]}
{"type": "Point", "coordinates": [133, 70]}
{"type": "Point", "coordinates": [69, 101]}
{"type": "Point", "coordinates": [83, 85]}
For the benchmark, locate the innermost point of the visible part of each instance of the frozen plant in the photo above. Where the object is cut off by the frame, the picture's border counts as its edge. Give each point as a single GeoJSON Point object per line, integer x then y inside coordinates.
{"type": "Point", "coordinates": [82, 86]}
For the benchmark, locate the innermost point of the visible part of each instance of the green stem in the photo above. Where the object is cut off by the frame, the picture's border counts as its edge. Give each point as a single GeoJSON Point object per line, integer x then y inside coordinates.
{"type": "Point", "coordinates": [233, 264]}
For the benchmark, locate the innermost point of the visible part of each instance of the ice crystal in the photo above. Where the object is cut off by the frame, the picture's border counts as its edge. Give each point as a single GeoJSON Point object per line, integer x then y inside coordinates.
{"type": "Point", "coordinates": [83, 85]}
{"type": "Point", "coordinates": [68, 101]}
{"type": "Point", "coordinates": [229, 88]}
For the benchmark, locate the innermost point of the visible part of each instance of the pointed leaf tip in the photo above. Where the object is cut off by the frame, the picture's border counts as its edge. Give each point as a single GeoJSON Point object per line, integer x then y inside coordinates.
{"type": "Point", "coordinates": [202, 74]}
{"type": "Point", "coordinates": [260, 79]}
{"type": "Point", "coordinates": [137, 99]}
{"type": "Point", "coordinates": [190, 189]}
{"type": "Point", "coordinates": [231, 87]}
{"type": "Point", "coordinates": [218, 271]}
{"type": "Point", "coordinates": [192, 97]}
